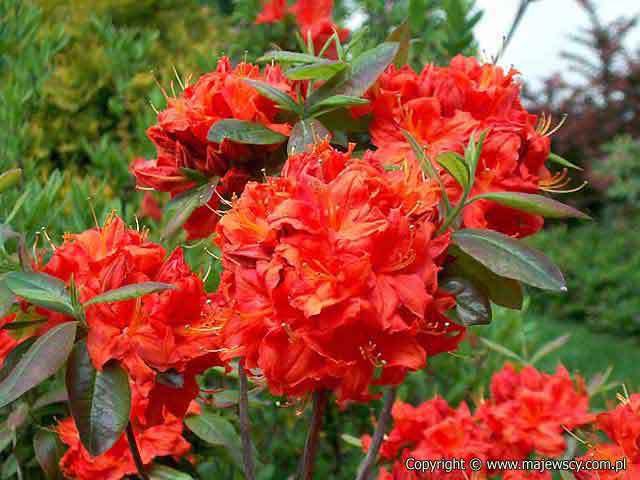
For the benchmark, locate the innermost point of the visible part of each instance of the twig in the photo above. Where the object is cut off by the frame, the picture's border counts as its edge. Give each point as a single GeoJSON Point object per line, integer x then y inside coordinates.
{"type": "Point", "coordinates": [245, 426]}
{"type": "Point", "coordinates": [135, 453]}
{"type": "Point", "coordinates": [320, 399]}
{"type": "Point", "coordinates": [372, 454]}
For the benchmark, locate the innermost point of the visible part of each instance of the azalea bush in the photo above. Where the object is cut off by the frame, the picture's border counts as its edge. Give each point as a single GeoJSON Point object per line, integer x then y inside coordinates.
{"type": "Point", "coordinates": [335, 220]}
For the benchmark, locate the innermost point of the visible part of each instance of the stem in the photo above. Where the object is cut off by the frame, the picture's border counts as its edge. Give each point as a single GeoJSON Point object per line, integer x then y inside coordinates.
{"type": "Point", "coordinates": [320, 399]}
{"type": "Point", "coordinates": [384, 419]}
{"type": "Point", "coordinates": [522, 8]}
{"type": "Point", "coordinates": [135, 453]}
{"type": "Point", "coordinates": [245, 426]}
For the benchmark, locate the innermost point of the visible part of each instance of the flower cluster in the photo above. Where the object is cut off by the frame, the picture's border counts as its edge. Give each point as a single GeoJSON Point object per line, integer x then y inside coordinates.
{"type": "Point", "coordinates": [156, 338]}
{"type": "Point", "coordinates": [527, 414]}
{"type": "Point", "coordinates": [443, 108]}
{"type": "Point", "coordinates": [622, 427]}
{"type": "Point", "coordinates": [331, 272]}
{"type": "Point", "coordinates": [313, 18]}
{"type": "Point", "coordinates": [180, 138]}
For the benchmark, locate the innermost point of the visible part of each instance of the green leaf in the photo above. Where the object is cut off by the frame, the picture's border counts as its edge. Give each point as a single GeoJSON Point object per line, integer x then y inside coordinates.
{"type": "Point", "coordinates": [48, 450]}
{"type": "Point", "coordinates": [364, 71]}
{"type": "Point", "coordinates": [305, 134]}
{"type": "Point", "coordinates": [351, 440]}
{"type": "Point", "coordinates": [162, 472]}
{"type": "Point", "coordinates": [550, 347]}
{"type": "Point", "coordinates": [472, 305]}
{"type": "Point", "coordinates": [128, 292]}
{"type": "Point", "coordinates": [562, 161]}
{"type": "Point", "coordinates": [510, 258]}
{"type": "Point", "coordinates": [278, 96]}
{"type": "Point", "coordinates": [217, 431]}
{"type": "Point", "coordinates": [342, 120]}
{"type": "Point", "coordinates": [402, 35]}
{"type": "Point", "coordinates": [58, 395]}
{"type": "Point", "coordinates": [10, 178]}
{"type": "Point", "coordinates": [243, 132]}
{"type": "Point", "coordinates": [25, 324]}
{"type": "Point", "coordinates": [7, 299]}
{"type": "Point", "coordinates": [42, 290]}
{"type": "Point", "coordinates": [496, 347]}
{"type": "Point", "coordinates": [500, 290]}
{"type": "Point", "coordinates": [47, 354]}
{"type": "Point", "coordinates": [100, 401]}
{"type": "Point", "coordinates": [531, 203]}
{"type": "Point", "coordinates": [194, 175]}
{"type": "Point", "coordinates": [184, 204]}
{"type": "Point", "coordinates": [456, 166]}
{"type": "Point", "coordinates": [14, 356]}
{"type": "Point", "coordinates": [322, 70]}
{"type": "Point", "coordinates": [170, 378]}
{"type": "Point", "coordinates": [335, 102]}
{"type": "Point", "coordinates": [282, 56]}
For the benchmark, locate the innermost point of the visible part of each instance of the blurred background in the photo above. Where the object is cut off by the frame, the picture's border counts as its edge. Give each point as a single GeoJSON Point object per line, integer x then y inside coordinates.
{"type": "Point", "coordinates": [79, 82]}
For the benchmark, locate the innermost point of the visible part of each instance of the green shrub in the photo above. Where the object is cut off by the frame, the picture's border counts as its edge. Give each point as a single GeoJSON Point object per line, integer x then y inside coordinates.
{"type": "Point", "coordinates": [621, 171]}
{"type": "Point", "coordinates": [601, 262]}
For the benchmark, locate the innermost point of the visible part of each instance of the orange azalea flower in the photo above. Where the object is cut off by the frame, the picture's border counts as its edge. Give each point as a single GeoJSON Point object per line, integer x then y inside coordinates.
{"type": "Point", "coordinates": [443, 107]}
{"type": "Point", "coordinates": [180, 137]}
{"type": "Point", "coordinates": [529, 411]}
{"type": "Point", "coordinates": [272, 11]}
{"type": "Point", "coordinates": [332, 275]}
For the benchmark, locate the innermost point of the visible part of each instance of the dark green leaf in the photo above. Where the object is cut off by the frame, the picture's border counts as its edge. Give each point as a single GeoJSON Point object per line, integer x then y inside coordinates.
{"type": "Point", "coordinates": [402, 35]}
{"type": "Point", "coordinates": [562, 161]}
{"type": "Point", "coordinates": [501, 290]}
{"type": "Point", "coordinates": [10, 178]}
{"type": "Point", "coordinates": [48, 450]}
{"type": "Point", "coordinates": [322, 70]}
{"type": "Point", "coordinates": [343, 120]}
{"type": "Point", "coordinates": [217, 431]}
{"type": "Point", "coordinates": [47, 354]}
{"type": "Point", "coordinates": [243, 132]}
{"type": "Point", "coordinates": [472, 305]}
{"type": "Point", "coordinates": [275, 94]}
{"type": "Point", "coordinates": [510, 258]}
{"type": "Point", "coordinates": [171, 378]}
{"type": "Point", "coordinates": [184, 204]}
{"type": "Point", "coordinates": [281, 56]}
{"type": "Point", "coordinates": [456, 166]}
{"type": "Point", "coordinates": [42, 290]}
{"type": "Point", "coordinates": [25, 324]}
{"type": "Point", "coordinates": [58, 395]}
{"type": "Point", "coordinates": [162, 472]}
{"type": "Point", "coordinates": [195, 175]}
{"type": "Point", "coordinates": [305, 134]}
{"type": "Point", "coordinates": [14, 356]}
{"type": "Point", "coordinates": [531, 203]}
{"type": "Point", "coordinates": [100, 401]}
{"type": "Point", "coordinates": [128, 292]}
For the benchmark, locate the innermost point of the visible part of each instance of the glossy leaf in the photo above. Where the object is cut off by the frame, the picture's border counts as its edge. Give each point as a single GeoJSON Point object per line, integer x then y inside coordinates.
{"type": "Point", "coordinates": [562, 161]}
{"type": "Point", "coordinates": [100, 401]}
{"type": "Point", "coordinates": [243, 132]}
{"type": "Point", "coordinates": [282, 56]}
{"type": "Point", "coordinates": [48, 450]}
{"type": "Point", "coordinates": [128, 292]}
{"type": "Point", "coordinates": [503, 291]}
{"type": "Point", "coordinates": [335, 102]}
{"type": "Point", "coordinates": [42, 290]}
{"type": "Point", "coordinates": [43, 358]}
{"type": "Point", "coordinates": [531, 203]}
{"type": "Point", "coordinates": [402, 35]}
{"type": "Point", "coordinates": [10, 178]}
{"type": "Point", "coordinates": [472, 305]}
{"type": "Point", "coordinates": [217, 431]}
{"type": "Point", "coordinates": [14, 356]}
{"type": "Point", "coordinates": [510, 258]}
{"type": "Point", "coordinates": [275, 94]}
{"type": "Point", "coordinates": [305, 134]}
{"type": "Point", "coordinates": [162, 472]}
{"type": "Point", "coordinates": [342, 120]}
{"type": "Point", "coordinates": [184, 204]}
{"type": "Point", "coordinates": [58, 395]}
{"type": "Point", "coordinates": [322, 70]}
{"type": "Point", "coordinates": [456, 166]}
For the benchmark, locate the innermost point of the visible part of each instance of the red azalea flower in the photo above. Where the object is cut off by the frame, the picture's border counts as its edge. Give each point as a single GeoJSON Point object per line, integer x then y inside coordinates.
{"type": "Point", "coordinates": [272, 11]}
{"type": "Point", "coordinates": [622, 426]}
{"type": "Point", "coordinates": [180, 137]}
{"type": "Point", "coordinates": [331, 275]}
{"type": "Point", "coordinates": [529, 411]}
{"type": "Point", "coordinates": [443, 107]}
{"type": "Point", "coordinates": [149, 208]}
